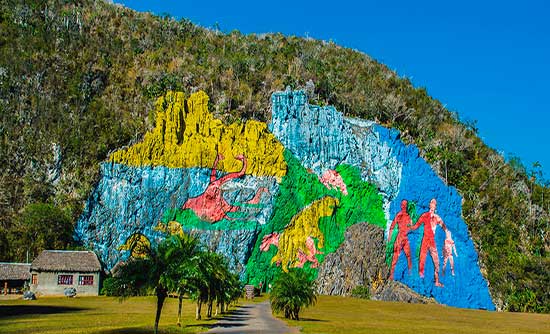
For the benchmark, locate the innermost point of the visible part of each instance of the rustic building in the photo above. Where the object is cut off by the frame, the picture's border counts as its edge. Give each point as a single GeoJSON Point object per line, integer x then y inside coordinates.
{"type": "Point", "coordinates": [14, 277]}
{"type": "Point", "coordinates": [53, 271]}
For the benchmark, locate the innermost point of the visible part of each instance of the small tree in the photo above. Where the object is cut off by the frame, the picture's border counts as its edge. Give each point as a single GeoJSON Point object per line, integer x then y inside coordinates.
{"type": "Point", "coordinates": [292, 291]}
{"type": "Point", "coordinates": [158, 268]}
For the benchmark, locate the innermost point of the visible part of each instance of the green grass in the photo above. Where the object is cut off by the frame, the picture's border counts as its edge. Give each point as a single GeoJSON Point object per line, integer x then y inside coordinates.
{"type": "Point", "coordinates": [350, 315]}
{"type": "Point", "coordinates": [105, 315]}
{"type": "Point", "coordinates": [332, 315]}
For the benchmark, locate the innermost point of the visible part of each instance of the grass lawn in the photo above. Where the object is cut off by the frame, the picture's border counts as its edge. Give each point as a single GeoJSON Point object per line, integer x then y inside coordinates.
{"type": "Point", "coordinates": [106, 315]}
{"type": "Point", "coordinates": [329, 315]}
{"type": "Point", "coordinates": [350, 315]}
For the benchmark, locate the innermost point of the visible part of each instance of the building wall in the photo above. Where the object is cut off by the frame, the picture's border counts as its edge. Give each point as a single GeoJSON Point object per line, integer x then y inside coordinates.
{"type": "Point", "coordinates": [47, 284]}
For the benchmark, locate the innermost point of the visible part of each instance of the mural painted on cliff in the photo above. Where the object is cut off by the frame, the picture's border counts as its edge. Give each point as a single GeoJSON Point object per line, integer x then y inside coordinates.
{"type": "Point", "coordinates": [191, 170]}
{"type": "Point", "coordinates": [429, 221]}
{"type": "Point", "coordinates": [310, 219]}
{"type": "Point", "coordinates": [321, 139]}
{"type": "Point", "coordinates": [278, 198]}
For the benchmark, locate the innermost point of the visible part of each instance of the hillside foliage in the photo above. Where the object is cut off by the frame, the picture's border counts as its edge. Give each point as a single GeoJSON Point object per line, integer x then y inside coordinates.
{"type": "Point", "coordinates": [78, 80]}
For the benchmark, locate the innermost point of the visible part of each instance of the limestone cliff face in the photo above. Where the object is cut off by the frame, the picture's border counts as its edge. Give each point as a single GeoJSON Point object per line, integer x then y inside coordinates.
{"type": "Point", "coordinates": [186, 135]}
{"type": "Point", "coordinates": [312, 189]}
{"type": "Point", "coordinates": [321, 138]}
{"type": "Point", "coordinates": [146, 185]}
{"type": "Point", "coordinates": [360, 261]}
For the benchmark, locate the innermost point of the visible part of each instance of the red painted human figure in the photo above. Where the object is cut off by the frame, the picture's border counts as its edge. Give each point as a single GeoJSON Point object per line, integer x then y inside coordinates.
{"type": "Point", "coordinates": [403, 221]}
{"type": "Point", "coordinates": [448, 248]}
{"type": "Point", "coordinates": [210, 205]}
{"type": "Point", "coordinates": [430, 220]}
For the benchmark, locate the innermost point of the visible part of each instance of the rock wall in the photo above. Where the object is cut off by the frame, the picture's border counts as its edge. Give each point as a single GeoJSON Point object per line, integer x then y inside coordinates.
{"type": "Point", "coordinates": [313, 189]}
{"type": "Point", "coordinates": [321, 138]}
{"type": "Point", "coordinates": [360, 261]}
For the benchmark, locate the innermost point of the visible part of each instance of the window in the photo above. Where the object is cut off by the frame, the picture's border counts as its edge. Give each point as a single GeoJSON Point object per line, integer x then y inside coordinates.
{"type": "Point", "coordinates": [34, 279]}
{"type": "Point", "coordinates": [65, 280]}
{"type": "Point", "coordinates": [86, 280]}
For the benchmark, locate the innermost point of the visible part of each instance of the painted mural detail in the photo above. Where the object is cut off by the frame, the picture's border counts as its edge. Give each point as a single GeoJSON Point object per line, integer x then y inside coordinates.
{"type": "Point", "coordinates": [296, 244]}
{"type": "Point", "coordinates": [176, 175]}
{"type": "Point", "coordinates": [268, 240]}
{"type": "Point", "coordinates": [170, 228]}
{"type": "Point", "coordinates": [430, 220]}
{"type": "Point", "coordinates": [332, 180]}
{"type": "Point", "coordinates": [322, 139]}
{"type": "Point", "coordinates": [211, 206]}
{"type": "Point", "coordinates": [275, 199]}
{"type": "Point", "coordinates": [447, 251]}
{"type": "Point", "coordinates": [403, 221]}
{"type": "Point", "coordinates": [137, 244]}
{"type": "Point", "coordinates": [187, 135]}
{"type": "Point", "coordinates": [310, 219]}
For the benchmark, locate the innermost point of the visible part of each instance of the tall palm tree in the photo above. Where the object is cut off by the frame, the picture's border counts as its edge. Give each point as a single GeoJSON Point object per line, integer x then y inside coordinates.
{"type": "Point", "coordinates": [199, 280]}
{"type": "Point", "coordinates": [212, 281]}
{"type": "Point", "coordinates": [217, 280]}
{"type": "Point", "coordinates": [292, 291]}
{"type": "Point", "coordinates": [157, 267]}
{"type": "Point", "coordinates": [231, 291]}
{"type": "Point", "coordinates": [186, 268]}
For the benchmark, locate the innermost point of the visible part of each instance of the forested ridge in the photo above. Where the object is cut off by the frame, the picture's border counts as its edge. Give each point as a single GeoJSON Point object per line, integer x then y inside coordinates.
{"type": "Point", "coordinates": [78, 79]}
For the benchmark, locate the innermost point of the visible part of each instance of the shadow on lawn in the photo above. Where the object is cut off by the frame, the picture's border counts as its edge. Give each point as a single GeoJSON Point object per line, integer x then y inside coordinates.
{"type": "Point", "coordinates": [131, 330]}
{"type": "Point", "coordinates": [23, 310]}
{"type": "Point", "coordinates": [231, 319]}
{"type": "Point", "coordinates": [312, 320]}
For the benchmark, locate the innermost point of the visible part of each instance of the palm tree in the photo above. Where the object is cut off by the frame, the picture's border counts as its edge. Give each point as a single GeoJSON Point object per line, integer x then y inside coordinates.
{"type": "Point", "coordinates": [186, 268]}
{"type": "Point", "coordinates": [231, 290]}
{"type": "Point", "coordinates": [199, 279]}
{"type": "Point", "coordinates": [292, 291]}
{"type": "Point", "coordinates": [217, 283]}
{"type": "Point", "coordinates": [212, 281]}
{"type": "Point", "coordinates": [158, 267]}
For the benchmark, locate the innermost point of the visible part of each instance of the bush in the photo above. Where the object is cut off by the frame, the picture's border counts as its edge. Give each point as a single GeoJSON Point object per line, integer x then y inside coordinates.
{"type": "Point", "coordinates": [361, 291]}
{"type": "Point", "coordinates": [110, 287]}
{"type": "Point", "coordinates": [292, 291]}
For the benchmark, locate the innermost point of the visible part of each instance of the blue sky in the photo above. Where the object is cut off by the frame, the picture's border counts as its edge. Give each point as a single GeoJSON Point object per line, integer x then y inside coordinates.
{"type": "Point", "coordinates": [487, 60]}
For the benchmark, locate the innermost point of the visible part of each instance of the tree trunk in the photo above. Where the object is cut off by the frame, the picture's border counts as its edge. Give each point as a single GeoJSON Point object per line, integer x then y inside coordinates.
{"type": "Point", "coordinates": [161, 296]}
{"type": "Point", "coordinates": [198, 312]}
{"type": "Point", "coordinates": [209, 311]}
{"type": "Point", "coordinates": [180, 302]}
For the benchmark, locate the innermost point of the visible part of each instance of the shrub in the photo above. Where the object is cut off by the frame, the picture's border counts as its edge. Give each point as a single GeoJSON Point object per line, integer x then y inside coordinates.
{"type": "Point", "coordinates": [292, 291]}
{"type": "Point", "coordinates": [361, 291]}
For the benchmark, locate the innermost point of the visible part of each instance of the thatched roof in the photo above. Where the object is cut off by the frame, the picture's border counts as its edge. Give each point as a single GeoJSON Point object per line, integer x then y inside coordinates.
{"type": "Point", "coordinates": [71, 261]}
{"type": "Point", "coordinates": [15, 271]}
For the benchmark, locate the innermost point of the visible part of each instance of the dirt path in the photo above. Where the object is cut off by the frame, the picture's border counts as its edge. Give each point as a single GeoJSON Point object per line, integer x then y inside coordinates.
{"type": "Point", "coordinates": [252, 318]}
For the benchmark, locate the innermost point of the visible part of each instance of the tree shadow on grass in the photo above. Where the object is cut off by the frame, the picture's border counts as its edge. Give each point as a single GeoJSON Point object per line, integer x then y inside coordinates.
{"type": "Point", "coordinates": [312, 320]}
{"type": "Point", "coordinates": [131, 330]}
{"type": "Point", "coordinates": [231, 319]}
{"type": "Point", "coordinates": [24, 310]}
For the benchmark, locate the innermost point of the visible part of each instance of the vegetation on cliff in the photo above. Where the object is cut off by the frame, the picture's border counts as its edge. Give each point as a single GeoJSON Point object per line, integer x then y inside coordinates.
{"type": "Point", "coordinates": [79, 79]}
